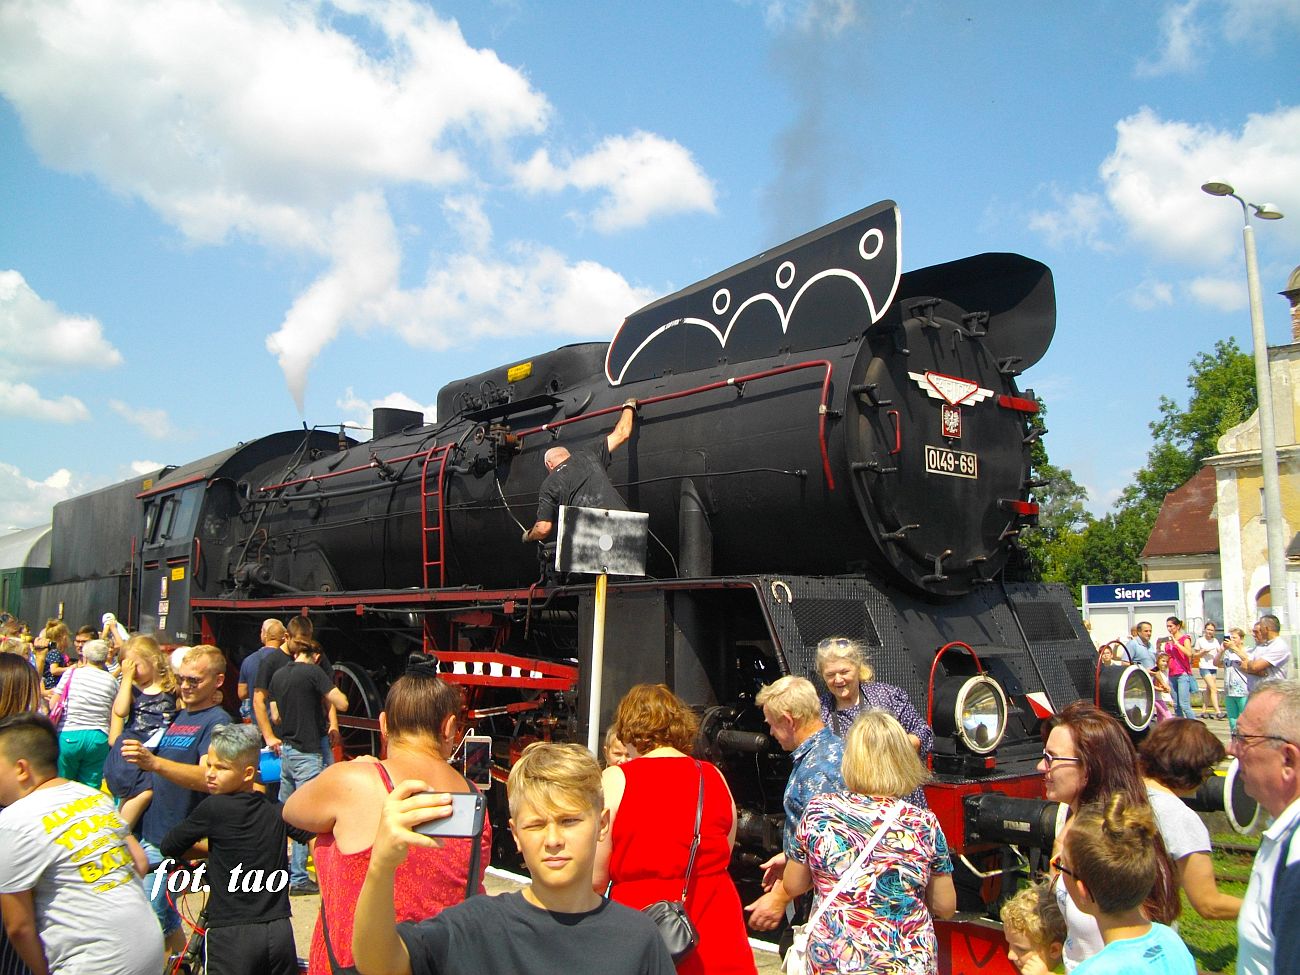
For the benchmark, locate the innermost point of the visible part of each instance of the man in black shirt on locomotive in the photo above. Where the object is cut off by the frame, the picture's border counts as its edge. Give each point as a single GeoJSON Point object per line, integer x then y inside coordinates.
{"type": "Point", "coordinates": [578, 480]}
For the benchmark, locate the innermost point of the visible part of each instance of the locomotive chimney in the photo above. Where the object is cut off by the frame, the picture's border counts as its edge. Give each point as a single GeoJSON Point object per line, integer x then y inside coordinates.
{"type": "Point", "coordinates": [386, 421]}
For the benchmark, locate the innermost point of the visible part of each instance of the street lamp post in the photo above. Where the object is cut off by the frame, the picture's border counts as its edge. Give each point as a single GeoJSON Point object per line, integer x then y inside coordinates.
{"type": "Point", "coordinates": [1277, 583]}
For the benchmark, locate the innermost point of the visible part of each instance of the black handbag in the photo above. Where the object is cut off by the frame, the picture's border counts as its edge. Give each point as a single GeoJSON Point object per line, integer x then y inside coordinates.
{"type": "Point", "coordinates": [679, 934]}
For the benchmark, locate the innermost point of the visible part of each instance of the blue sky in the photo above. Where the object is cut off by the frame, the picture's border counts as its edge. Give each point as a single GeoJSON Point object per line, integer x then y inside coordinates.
{"type": "Point", "coordinates": [220, 219]}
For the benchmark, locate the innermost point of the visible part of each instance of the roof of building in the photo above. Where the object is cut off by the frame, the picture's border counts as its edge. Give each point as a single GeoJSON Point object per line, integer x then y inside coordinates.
{"type": "Point", "coordinates": [1187, 524]}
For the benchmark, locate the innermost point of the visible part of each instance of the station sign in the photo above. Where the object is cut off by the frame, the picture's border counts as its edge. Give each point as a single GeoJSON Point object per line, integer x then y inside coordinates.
{"type": "Point", "coordinates": [1132, 592]}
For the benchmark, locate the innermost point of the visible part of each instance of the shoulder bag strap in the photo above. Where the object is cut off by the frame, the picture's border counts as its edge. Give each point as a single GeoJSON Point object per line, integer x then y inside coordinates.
{"type": "Point", "coordinates": [476, 852]}
{"type": "Point", "coordinates": [852, 872]}
{"type": "Point", "coordinates": [695, 843]}
{"type": "Point", "coordinates": [335, 967]}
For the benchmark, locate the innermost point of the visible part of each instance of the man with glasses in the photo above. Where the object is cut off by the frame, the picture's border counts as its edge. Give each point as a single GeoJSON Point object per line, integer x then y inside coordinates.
{"type": "Point", "coordinates": [179, 767]}
{"type": "Point", "coordinates": [1266, 745]}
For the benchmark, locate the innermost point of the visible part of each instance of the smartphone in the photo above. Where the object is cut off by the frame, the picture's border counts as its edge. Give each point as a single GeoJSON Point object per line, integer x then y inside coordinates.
{"type": "Point", "coordinates": [466, 817]}
{"type": "Point", "coordinates": [476, 760]}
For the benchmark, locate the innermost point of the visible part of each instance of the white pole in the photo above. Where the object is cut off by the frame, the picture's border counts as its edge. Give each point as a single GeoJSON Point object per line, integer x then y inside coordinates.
{"type": "Point", "coordinates": [1277, 581]}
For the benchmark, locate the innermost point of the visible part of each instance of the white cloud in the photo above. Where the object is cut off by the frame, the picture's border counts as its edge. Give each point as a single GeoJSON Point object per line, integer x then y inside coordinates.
{"type": "Point", "coordinates": [1152, 188]}
{"type": "Point", "coordinates": [465, 296]}
{"type": "Point", "coordinates": [364, 269]}
{"type": "Point", "coordinates": [1151, 294]}
{"type": "Point", "coordinates": [1154, 175]}
{"type": "Point", "coordinates": [142, 467]}
{"type": "Point", "coordinates": [828, 17]}
{"type": "Point", "coordinates": [1223, 294]}
{"type": "Point", "coordinates": [25, 502]}
{"type": "Point", "coordinates": [535, 290]}
{"type": "Point", "coordinates": [36, 335]}
{"type": "Point", "coordinates": [1182, 42]}
{"type": "Point", "coordinates": [254, 116]}
{"type": "Point", "coordinates": [1077, 219]}
{"type": "Point", "coordinates": [288, 122]}
{"type": "Point", "coordinates": [152, 422]}
{"type": "Point", "coordinates": [22, 400]}
{"type": "Point", "coordinates": [1259, 21]}
{"type": "Point", "coordinates": [358, 410]}
{"type": "Point", "coordinates": [642, 176]}
{"type": "Point", "coordinates": [465, 214]}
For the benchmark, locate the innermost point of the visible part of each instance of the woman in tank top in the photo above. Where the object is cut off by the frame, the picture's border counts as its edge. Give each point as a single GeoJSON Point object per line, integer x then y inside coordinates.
{"type": "Point", "coordinates": [420, 723]}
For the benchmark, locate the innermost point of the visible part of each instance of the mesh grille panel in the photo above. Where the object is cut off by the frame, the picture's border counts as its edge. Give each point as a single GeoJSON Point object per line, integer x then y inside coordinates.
{"type": "Point", "coordinates": [1044, 622]}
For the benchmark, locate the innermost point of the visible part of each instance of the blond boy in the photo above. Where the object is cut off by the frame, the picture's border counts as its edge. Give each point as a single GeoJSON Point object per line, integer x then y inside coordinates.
{"type": "Point", "coordinates": [556, 924]}
{"type": "Point", "coordinates": [1034, 929]}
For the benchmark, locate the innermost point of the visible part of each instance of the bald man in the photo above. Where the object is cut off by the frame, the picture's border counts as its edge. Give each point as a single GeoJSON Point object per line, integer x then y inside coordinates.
{"type": "Point", "coordinates": [578, 479]}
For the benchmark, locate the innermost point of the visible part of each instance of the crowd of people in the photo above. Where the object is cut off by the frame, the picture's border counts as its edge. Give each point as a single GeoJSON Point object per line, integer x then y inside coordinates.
{"type": "Point", "coordinates": [119, 770]}
{"type": "Point", "coordinates": [1180, 665]}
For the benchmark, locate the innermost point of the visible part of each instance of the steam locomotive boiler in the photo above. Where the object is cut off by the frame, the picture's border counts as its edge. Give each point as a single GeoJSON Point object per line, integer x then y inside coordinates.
{"type": "Point", "coordinates": [824, 446]}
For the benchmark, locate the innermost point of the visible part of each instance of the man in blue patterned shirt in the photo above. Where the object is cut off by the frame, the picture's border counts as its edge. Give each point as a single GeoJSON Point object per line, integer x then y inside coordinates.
{"type": "Point", "coordinates": [793, 714]}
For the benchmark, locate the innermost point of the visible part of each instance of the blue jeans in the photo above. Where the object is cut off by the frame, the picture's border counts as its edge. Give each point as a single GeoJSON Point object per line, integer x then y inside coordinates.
{"type": "Point", "coordinates": [297, 768]}
{"type": "Point", "coordinates": [156, 890]}
{"type": "Point", "coordinates": [1182, 685]}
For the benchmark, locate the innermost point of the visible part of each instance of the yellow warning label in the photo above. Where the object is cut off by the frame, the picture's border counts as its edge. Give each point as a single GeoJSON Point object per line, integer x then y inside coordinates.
{"type": "Point", "coordinates": [178, 573]}
{"type": "Point", "coordinates": [521, 371]}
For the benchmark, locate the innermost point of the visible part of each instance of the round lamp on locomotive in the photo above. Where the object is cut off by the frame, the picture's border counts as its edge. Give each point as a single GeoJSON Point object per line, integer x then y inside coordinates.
{"type": "Point", "coordinates": [1129, 694]}
{"type": "Point", "coordinates": [973, 710]}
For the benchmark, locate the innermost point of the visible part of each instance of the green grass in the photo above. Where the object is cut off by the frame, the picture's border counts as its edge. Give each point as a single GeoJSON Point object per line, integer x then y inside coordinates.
{"type": "Point", "coordinates": [1214, 943]}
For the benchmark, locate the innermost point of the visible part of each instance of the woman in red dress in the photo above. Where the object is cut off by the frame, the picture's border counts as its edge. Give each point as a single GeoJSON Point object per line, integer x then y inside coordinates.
{"type": "Point", "coordinates": [652, 799]}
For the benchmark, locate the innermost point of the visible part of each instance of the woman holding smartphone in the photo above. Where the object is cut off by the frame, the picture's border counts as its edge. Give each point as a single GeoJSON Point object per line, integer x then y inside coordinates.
{"type": "Point", "coordinates": [420, 722]}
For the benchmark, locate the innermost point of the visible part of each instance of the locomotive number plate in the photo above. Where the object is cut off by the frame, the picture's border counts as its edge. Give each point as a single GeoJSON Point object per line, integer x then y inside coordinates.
{"type": "Point", "coordinates": [954, 463]}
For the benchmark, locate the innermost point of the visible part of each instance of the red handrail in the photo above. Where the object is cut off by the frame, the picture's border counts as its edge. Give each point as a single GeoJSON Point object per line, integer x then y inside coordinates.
{"type": "Point", "coordinates": [374, 462]}
{"type": "Point", "coordinates": [822, 409]}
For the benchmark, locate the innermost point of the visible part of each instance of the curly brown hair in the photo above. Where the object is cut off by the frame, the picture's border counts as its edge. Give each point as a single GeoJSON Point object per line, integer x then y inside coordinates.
{"type": "Point", "coordinates": [651, 716]}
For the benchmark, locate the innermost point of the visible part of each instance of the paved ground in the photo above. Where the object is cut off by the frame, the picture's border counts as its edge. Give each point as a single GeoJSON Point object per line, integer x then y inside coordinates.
{"type": "Point", "coordinates": [305, 909]}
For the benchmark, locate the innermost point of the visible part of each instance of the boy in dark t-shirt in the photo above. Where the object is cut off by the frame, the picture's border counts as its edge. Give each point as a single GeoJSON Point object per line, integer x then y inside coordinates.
{"type": "Point", "coordinates": [556, 924]}
{"type": "Point", "coordinates": [248, 927]}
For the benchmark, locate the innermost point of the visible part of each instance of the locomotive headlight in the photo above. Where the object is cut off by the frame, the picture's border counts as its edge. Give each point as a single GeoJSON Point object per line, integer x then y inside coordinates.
{"type": "Point", "coordinates": [1127, 693]}
{"type": "Point", "coordinates": [973, 710]}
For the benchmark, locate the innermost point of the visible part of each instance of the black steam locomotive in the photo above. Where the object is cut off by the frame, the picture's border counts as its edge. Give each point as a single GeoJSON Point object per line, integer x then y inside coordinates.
{"type": "Point", "coordinates": [825, 446]}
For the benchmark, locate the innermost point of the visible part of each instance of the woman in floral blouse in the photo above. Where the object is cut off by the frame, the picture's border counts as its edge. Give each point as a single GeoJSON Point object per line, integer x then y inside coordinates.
{"type": "Point", "coordinates": [883, 920]}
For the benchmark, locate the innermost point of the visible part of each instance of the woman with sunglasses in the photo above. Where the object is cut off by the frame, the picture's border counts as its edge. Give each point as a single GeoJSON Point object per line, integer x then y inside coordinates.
{"type": "Point", "coordinates": [1175, 758]}
{"type": "Point", "coordinates": [420, 726]}
{"type": "Point", "coordinates": [1088, 758]}
{"type": "Point", "coordinates": [851, 689]}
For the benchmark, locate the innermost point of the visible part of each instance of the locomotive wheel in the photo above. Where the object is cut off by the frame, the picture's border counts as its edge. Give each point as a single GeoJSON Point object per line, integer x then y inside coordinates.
{"type": "Point", "coordinates": [363, 702]}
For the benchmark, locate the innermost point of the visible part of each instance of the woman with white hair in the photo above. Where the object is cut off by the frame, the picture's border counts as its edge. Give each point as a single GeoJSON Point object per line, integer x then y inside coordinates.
{"type": "Point", "coordinates": [89, 690]}
{"type": "Point", "coordinates": [851, 689]}
{"type": "Point", "coordinates": [880, 864]}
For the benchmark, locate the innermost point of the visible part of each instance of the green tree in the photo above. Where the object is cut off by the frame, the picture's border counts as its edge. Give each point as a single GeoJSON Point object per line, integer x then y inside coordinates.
{"type": "Point", "coordinates": [1223, 395]}
{"type": "Point", "coordinates": [1073, 547]}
